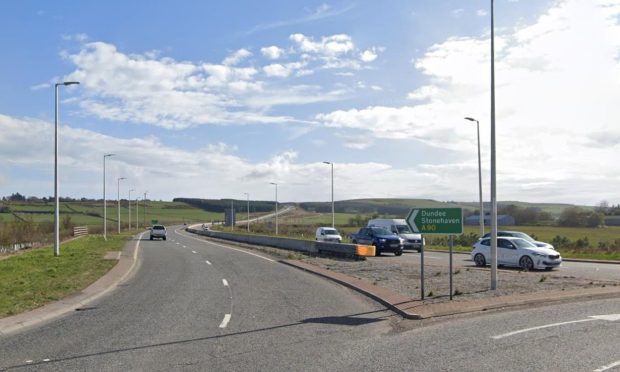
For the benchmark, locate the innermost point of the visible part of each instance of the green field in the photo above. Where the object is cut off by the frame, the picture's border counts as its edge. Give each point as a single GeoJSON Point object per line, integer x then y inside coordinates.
{"type": "Point", "coordinates": [91, 213]}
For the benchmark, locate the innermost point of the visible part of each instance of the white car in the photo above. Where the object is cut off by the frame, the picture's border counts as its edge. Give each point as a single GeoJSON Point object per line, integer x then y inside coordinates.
{"type": "Point", "coordinates": [516, 252]}
{"type": "Point", "coordinates": [522, 235]}
{"type": "Point", "coordinates": [328, 234]}
{"type": "Point", "coordinates": [158, 232]}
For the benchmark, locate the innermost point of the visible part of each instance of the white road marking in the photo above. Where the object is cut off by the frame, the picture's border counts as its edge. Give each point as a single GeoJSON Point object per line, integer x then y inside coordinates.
{"type": "Point", "coordinates": [225, 321]}
{"type": "Point", "coordinates": [193, 251]}
{"type": "Point", "coordinates": [609, 317]}
{"type": "Point", "coordinates": [208, 263]}
{"type": "Point", "coordinates": [29, 361]}
{"type": "Point", "coordinates": [225, 282]}
{"type": "Point", "coordinates": [184, 246]}
{"type": "Point", "coordinates": [178, 243]}
{"type": "Point", "coordinates": [46, 360]}
{"type": "Point", "coordinates": [234, 249]}
{"type": "Point", "coordinates": [540, 327]}
{"type": "Point", "coordinates": [608, 367]}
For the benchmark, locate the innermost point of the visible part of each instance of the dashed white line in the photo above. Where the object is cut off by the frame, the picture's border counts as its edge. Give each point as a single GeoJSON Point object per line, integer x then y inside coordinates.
{"type": "Point", "coordinates": [184, 247]}
{"type": "Point", "coordinates": [608, 367]}
{"type": "Point", "coordinates": [194, 252]}
{"type": "Point", "coordinates": [208, 263]}
{"type": "Point", "coordinates": [228, 247]}
{"type": "Point", "coordinates": [225, 282]}
{"type": "Point", "coordinates": [46, 360]}
{"type": "Point", "coordinates": [225, 321]}
{"type": "Point", "coordinates": [29, 361]}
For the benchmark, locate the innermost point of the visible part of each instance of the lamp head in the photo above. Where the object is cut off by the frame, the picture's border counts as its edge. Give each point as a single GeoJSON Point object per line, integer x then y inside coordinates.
{"type": "Point", "coordinates": [470, 119]}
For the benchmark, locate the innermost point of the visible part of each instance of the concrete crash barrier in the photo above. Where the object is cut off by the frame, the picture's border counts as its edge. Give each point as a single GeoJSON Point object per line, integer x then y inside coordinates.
{"type": "Point", "coordinates": [365, 250]}
{"type": "Point", "coordinates": [306, 246]}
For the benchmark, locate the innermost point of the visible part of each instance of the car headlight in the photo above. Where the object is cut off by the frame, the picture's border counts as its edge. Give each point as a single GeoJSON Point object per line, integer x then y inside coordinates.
{"type": "Point", "coordinates": [538, 254]}
{"type": "Point", "coordinates": [381, 240]}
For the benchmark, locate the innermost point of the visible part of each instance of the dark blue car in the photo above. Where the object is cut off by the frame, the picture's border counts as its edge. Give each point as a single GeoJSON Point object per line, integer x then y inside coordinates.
{"type": "Point", "coordinates": [382, 239]}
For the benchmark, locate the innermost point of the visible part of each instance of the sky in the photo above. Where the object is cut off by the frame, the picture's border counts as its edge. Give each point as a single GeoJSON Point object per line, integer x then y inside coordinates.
{"type": "Point", "coordinates": [209, 99]}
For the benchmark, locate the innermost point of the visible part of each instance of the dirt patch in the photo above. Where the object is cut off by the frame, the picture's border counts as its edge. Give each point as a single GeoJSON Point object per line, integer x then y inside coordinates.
{"type": "Point", "coordinates": [468, 282]}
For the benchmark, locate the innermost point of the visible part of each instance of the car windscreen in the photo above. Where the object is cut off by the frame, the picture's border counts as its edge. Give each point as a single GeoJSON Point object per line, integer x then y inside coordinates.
{"type": "Point", "coordinates": [522, 243]}
{"type": "Point", "coordinates": [523, 236]}
{"type": "Point", "coordinates": [158, 228]}
{"type": "Point", "coordinates": [403, 229]}
{"type": "Point", "coordinates": [380, 231]}
{"type": "Point", "coordinates": [330, 231]}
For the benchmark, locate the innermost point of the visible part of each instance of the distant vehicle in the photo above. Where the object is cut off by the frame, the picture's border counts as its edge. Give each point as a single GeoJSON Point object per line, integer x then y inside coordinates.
{"type": "Point", "coordinates": [158, 232]}
{"type": "Point", "coordinates": [522, 235]}
{"type": "Point", "coordinates": [383, 240]}
{"type": "Point", "coordinates": [516, 252]}
{"type": "Point", "coordinates": [328, 234]}
{"type": "Point", "coordinates": [400, 228]}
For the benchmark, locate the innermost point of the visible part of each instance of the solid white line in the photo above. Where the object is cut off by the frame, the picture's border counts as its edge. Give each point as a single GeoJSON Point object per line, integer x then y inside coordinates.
{"type": "Point", "coordinates": [225, 321]}
{"type": "Point", "coordinates": [607, 367]}
{"type": "Point", "coordinates": [539, 327]}
{"type": "Point", "coordinates": [234, 249]}
{"type": "Point", "coordinates": [208, 263]}
{"type": "Point", "coordinates": [225, 282]}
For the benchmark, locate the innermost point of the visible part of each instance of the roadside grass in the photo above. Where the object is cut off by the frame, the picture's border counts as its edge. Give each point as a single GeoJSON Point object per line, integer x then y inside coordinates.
{"type": "Point", "coordinates": [32, 279]}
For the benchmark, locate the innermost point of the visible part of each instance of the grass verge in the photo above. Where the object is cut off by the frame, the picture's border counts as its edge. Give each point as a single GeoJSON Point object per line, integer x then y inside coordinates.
{"type": "Point", "coordinates": [32, 279]}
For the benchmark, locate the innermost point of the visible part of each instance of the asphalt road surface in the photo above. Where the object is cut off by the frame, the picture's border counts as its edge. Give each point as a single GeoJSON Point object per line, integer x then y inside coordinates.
{"type": "Point", "coordinates": [194, 305]}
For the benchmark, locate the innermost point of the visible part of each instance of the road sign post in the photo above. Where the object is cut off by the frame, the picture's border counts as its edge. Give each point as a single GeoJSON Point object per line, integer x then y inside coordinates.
{"type": "Point", "coordinates": [445, 221]}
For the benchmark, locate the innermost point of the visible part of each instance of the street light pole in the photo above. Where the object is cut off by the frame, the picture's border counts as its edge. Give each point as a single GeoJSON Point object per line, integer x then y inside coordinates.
{"type": "Point", "coordinates": [137, 213]}
{"type": "Point", "coordinates": [144, 207]}
{"type": "Point", "coordinates": [479, 179]}
{"type": "Point", "coordinates": [333, 209]}
{"type": "Point", "coordinates": [56, 200]}
{"type": "Point", "coordinates": [105, 209]}
{"type": "Point", "coordinates": [129, 206]}
{"type": "Point", "coordinates": [248, 224]}
{"type": "Point", "coordinates": [276, 185]}
{"type": "Point", "coordinates": [493, 162]}
{"type": "Point", "coordinates": [118, 199]}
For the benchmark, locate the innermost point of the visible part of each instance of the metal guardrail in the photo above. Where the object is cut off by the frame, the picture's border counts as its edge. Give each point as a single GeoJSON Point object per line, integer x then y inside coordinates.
{"type": "Point", "coordinates": [80, 230]}
{"type": "Point", "coordinates": [307, 246]}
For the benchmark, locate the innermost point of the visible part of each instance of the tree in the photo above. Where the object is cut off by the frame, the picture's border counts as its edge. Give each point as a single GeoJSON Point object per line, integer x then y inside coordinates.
{"type": "Point", "coordinates": [572, 217]}
{"type": "Point", "coordinates": [595, 220]}
{"type": "Point", "coordinates": [602, 207]}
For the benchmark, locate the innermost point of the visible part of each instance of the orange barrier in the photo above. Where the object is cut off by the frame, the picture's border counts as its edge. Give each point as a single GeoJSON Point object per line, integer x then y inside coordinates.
{"type": "Point", "coordinates": [365, 250]}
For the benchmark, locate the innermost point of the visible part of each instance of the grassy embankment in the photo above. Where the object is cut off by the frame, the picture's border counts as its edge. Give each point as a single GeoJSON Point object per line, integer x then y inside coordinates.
{"type": "Point", "coordinates": [33, 278]}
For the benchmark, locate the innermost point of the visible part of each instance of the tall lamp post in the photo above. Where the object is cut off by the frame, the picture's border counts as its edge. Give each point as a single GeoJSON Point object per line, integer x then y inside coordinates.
{"type": "Point", "coordinates": [129, 206]}
{"type": "Point", "coordinates": [105, 209]}
{"type": "Point", "coordinates": [144, 207]}
{"type": "Point", "coordinates": [247, 194]}
{"type": "Point", "coordinates": [333, 209]}
{"type": "Point", "coordinates": [493, 162]}
{"type": "Point", "coordinates": [276, 185]}
{"type": "Point", "coordinates": [479, 178]}
{"type": "Point", "coordinates": [137, 213]}
{"type": "Point", "coordinates": [118, 199]}
{"type": "Point", "coordinates": [56, 201]}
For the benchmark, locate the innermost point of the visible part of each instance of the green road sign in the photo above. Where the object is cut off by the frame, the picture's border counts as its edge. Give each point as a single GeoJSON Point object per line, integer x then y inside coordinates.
{"type": "Point", "coordinates": [436, 220]}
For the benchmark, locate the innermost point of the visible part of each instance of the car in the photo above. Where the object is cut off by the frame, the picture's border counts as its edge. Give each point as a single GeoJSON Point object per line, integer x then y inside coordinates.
{"type": "Point", "coordinates": [522, 235]}
{"type": "Point", "coordinates": [158, 232]}
{"type": "Point", "coordinates": [517, 252]}
{"type": "Point", "coordinates": [383, 240]}
{"type": "Point", "coordinates": [400, 228]}
{"type": "Point", "coordinates": [328, 234]}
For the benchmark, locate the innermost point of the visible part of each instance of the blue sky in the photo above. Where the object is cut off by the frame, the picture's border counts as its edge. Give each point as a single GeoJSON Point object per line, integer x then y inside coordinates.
{"type": "Point", "coordinates": [215, 99]}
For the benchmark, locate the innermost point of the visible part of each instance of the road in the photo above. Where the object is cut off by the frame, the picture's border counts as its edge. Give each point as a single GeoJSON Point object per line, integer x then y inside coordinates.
{"type": "Point", "coordinates": [585, 270]}
{"type": "Point", "coordinates": [200, 306]}
{"type": "Point", "coordinates": [196, 305]}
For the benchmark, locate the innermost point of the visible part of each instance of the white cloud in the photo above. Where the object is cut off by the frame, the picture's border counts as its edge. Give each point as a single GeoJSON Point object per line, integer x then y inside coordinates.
{"type": "Point", "coordinates": [481, 12]}
{"type": "Point", "coordinates": [237, 57]}
{"type": "Point", "coordinates": [368, 55]}
{"type": "Point", "coordinates": [272, 52]}
{"type": "Point", "coordinates": [457, 13]}
{"type": "Point", "coordinates": [333, 45]}
{"type": "Point", "coordinates": [555, 88]}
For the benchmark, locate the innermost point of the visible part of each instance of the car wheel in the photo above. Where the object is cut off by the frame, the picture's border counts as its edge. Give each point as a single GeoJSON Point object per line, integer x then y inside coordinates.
{"type": "Point", "coordinates": [526, 263]}
{"type": "Point", "coordinates": [377, 251]}
{"type": "Point", "coordinates": [164, 238]}
{"type": "Point", "coordinates": [398, 253]}
{"type": "Point", "coordinates": [151, 238]}
{"type": "Point", "coordinates": [480, 260]}
{"type": "Point", "coordinates": [548, 268]}
{"type": "Point", "coordinates": [353, 241]}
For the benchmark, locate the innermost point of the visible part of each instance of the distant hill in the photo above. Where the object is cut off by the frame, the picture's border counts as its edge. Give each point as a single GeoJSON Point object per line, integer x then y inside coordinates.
{"type": "Point", "coordinates": [403, 206]}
